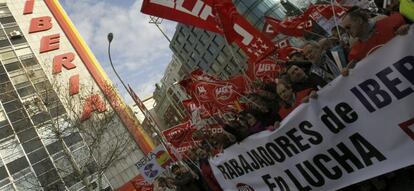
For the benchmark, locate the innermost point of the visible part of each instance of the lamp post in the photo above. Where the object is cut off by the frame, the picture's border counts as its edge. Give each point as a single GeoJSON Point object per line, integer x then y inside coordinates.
{"type": "Point", "coordinates": [156, 127]}
{"type": "Point", "coordinates": [110, 38]}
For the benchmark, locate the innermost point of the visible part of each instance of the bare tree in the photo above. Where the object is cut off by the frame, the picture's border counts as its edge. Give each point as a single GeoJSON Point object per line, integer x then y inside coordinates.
{"type": "Point", "coordinates": [104, 141]}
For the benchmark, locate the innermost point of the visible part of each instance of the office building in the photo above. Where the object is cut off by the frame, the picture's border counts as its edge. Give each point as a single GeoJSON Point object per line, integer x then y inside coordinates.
{"type": "Point", "coordinates": [47, 75]}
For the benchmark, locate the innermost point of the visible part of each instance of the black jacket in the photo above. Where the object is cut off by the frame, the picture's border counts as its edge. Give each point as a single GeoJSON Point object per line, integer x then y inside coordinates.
{"type": "Point", "coordinates": [186, 182]}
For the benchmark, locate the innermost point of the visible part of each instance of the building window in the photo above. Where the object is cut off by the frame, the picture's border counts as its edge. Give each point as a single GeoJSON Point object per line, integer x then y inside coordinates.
{"type": "Point", "coordinates": [247, 3]}
{"type": "Point", "coordinates": [4, 41]}
{"type": "Point", "coordinates": [26, 91]}
{"type": "Point", "coordinates": [21, 125]}
{"type": "Point", "coordinates": [2, 118]}
{"type": "Point", "coordinates": [241, 7]}
{"type": "Point", "coordinates": [212, 49]}
{"type": "Point", "coordinates": [199, 48]}
{"type": "Point", "coordinates": [4, 177]}
{"type": "Point", "coordinates": [28, 182]}
{"type": "Point", "coordinates": [63, 166]}
{"type": "Point", "coordinates": [15, 35]}
{"type": "Point", "coordinates": [16, 115]}
{"type": "Point", "coordinates": [37, 155]}
{"type": "Point", "coordinates": [32, 145]}
{"type": "Point", "coordinates": [46, 134]}
{"type": "Point", "coordinates": [12, 106]}
{"type": "Point", "coordinates": [48, 179]}
{"type": "Point", "coordinates": [43, 166]}
{"type": "Point", "coordinates": [27, 135]}
{"type": "Point", "coordinates": [23, 51]}
{"type": "Point", "coordinates": [216, 67]}
{"type": "Point", "coordinates": [220, 58]}
{"type": "Point", "coordinates": [11, 150]}
{"type": "Point", "coordinates": [7, 55]}
{"type": "Point", "coordinates": [16, 166]}
{"type": "Point", "coordinates": [5, 12]}
{"type": "Point", "coordinates": [5, 132]}
{"type": "Point", "coordinates": [72, 139]}
{"type": "Point", "coordinates": [253, 18]}
{"type": "Point", "coordinates": [20, 80]}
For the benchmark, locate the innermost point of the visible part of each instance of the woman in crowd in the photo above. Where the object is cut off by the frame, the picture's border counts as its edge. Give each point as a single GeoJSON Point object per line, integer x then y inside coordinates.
{"type": "Point", "coordinates": [289, 99]}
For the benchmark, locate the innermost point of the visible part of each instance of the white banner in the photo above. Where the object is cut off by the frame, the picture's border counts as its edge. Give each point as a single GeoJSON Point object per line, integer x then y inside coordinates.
{"type": "Point", "coordinates": [359, 127]}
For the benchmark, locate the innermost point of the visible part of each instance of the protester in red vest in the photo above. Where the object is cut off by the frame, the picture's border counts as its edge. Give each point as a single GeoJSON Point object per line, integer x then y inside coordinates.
{"type": "Point", "coordinates": [371, 34]}
{"type": "Point", "coordinates": [206, 171]}
{"type": "Point", "coordinates": [289, 99]}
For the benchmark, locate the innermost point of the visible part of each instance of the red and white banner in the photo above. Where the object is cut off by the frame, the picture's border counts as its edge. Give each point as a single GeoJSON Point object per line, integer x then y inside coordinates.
{"type": "Point", "coordinates": [237, 29]}
{"type": "Point", "coordinates": [190, 12]}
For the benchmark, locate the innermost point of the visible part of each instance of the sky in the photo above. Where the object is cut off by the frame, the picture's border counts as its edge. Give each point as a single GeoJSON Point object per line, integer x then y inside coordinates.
{"type": "Point", "coordinates": [139, 51]}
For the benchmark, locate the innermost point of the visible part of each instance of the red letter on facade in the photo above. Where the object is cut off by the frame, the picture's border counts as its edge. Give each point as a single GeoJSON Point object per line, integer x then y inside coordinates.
{"type": "Point", "coordinates": [39, 24]}
{"type": "Point", "coordinates": [28, 7]}
{"type": "Point", "coordinates": [64, 60]}
{"type": "Point", "coordinates": [92, 104]}
{"type": "Point", "coordinates": [49, 43]}
{"type": "Point", "coordinates": [74, 85]}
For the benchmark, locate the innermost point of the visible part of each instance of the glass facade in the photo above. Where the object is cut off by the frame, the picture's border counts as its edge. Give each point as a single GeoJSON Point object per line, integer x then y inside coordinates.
{"type": "Point", "coordinates": [197, 48]}
{"type": "Point", "coordinates": [30, 159]}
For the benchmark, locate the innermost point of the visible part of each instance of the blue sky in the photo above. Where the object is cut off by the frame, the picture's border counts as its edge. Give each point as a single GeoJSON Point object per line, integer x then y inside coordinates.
{"type": "Point", "coordinates": [139, 51]}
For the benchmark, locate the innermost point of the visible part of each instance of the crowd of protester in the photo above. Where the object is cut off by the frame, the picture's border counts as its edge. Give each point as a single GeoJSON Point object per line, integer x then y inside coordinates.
{"type": "Point", "coordinates": [308, 69]}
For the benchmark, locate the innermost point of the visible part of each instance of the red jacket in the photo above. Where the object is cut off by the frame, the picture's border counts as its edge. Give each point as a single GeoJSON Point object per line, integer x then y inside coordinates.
{"type": "Point", "coordinates": [208, 176]}
{"type": "Point", "coordinates": [384, 31]}
{"type": "Point", "coordinates": [283, 111]}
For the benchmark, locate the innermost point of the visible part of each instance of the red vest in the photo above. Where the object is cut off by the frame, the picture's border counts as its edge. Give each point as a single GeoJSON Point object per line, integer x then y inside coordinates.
{"type": "Point", "coordinates": [283, 112]}
{"type": "Point", "coordinates": [384, 31]}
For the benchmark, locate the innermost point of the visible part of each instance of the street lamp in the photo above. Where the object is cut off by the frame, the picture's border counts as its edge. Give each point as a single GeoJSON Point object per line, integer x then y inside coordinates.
{"type": "Point", "coordinates": [110, 38]}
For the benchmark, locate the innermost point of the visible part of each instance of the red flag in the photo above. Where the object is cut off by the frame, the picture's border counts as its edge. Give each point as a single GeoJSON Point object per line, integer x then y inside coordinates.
{"type": "Point", "coordinates": [191, 12]}
{"type": "Point", "coordinates": [204, 91]}
{"type": "Point", "coordinates": [237, 29]}
{"type": "Point", "coordinates": [268, 30]}
{"type": "Point", "coordinates": [284, 53]}
{"type": "Point", "coordinates": [218, 95]}
{"type": "Point", "coordinates": [179, 133]}
{"type": "Point", "coordinates": [140, 184]}
{"type": "Point", "coordinates": [266, 70]}
{"type": "Point", "coordinates": [291, 26]}
{"type": "Point", "coordinates": [185, 147]}
{"type": "Point", "coordinates": [228, 91]}
{"type": "Point", "coordinates": [323, 14]}
{"type": "Point", "coordinates": [214, 129]}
